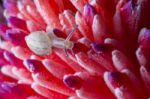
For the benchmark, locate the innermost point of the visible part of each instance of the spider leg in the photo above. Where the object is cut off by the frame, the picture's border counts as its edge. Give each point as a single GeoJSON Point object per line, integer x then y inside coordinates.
{"type": "Point", "coordinates": [65, 50]}
{"type": "Point", "coordinates": [71, 33]}
{"type": "Point", "coordinates": [69, 37]}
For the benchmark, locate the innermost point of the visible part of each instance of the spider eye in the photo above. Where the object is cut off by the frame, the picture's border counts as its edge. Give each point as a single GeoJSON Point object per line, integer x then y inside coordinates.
{"type": "Point", "coordinates": [39, 42]}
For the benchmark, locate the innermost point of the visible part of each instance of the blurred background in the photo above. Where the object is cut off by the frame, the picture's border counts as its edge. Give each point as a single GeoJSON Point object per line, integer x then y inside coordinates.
{"type": "Point", "coordinates": [2, 19]}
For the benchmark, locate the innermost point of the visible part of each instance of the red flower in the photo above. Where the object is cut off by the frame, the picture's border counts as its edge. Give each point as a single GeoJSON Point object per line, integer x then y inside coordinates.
{"type": "Point", "coordinates": [106, 46]}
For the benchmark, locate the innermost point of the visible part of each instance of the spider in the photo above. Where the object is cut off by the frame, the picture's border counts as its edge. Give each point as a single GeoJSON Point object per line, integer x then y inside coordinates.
{"type": "Point", "coordinates": [41, 42]}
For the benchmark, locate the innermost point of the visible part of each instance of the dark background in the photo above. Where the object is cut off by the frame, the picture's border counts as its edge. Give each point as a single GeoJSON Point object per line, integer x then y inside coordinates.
{"type": "Point", "coordinates": [2, 19]}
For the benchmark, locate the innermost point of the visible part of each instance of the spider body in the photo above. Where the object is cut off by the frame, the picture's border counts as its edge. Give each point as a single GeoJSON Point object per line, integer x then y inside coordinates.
{"type": "Point", "coordinates": [41, 43]}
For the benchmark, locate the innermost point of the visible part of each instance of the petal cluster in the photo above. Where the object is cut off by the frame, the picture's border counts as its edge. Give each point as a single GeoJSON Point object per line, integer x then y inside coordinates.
{"type": "Point", "coordinates": [110, 57]}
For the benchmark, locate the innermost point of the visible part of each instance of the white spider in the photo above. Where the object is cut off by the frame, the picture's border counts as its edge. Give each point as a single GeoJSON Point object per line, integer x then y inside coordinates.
{"type": "Point", "coordinates": [41, 42]}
